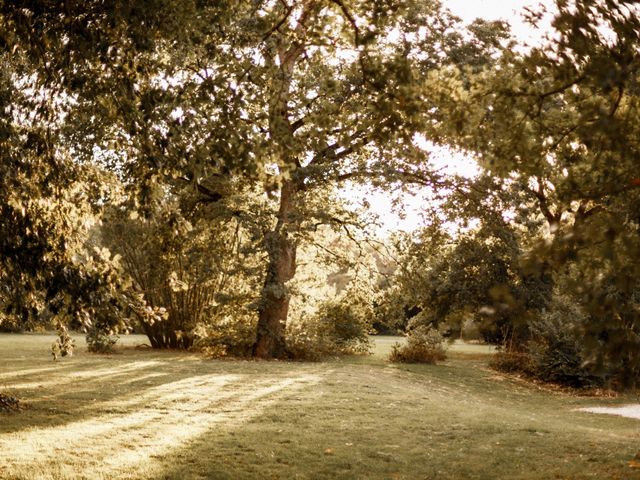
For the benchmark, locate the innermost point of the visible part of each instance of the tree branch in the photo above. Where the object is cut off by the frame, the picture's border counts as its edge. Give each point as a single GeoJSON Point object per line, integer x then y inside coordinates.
{"type": "Point", "coordinates": [543, 203]}
{"type": "Point", "coordinates": [351, 19]}
{"type": "Point", "coordinates": [276, 27]}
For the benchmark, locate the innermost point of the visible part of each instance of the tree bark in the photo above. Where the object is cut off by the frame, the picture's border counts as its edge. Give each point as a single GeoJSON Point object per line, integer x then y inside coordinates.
{"type": "Point", "coordinates": [280, 243]}
{"type": "Point", "coordinates": [274, 302]}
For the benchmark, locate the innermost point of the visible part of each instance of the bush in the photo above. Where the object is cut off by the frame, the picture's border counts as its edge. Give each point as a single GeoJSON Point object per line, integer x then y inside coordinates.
{"type": "Point", "coordinates": [513, 362]}
{"type": "Point", "coordinates": [337, 328]}
{"type": "Point", "coordinates": [99, 341]}
{"type": "Point", "coordinates": [308, 340]}
{"type": "Point", "coordinates": [31, 322]}
{"type": "Point", "coordinates": [228, 337]}
{"type": "Point", "coordinates": [556, 349]}
{"type": "Point", "coordinates": [10, 324]}
{"type": "Point", "coordinates": [184, 268]}
{"type": "Point", "coordinates": [424, 345]}
{"type": "Point", "coordinates": [63, 346]}
{"type": "Point", "coordinates": [347, 324]}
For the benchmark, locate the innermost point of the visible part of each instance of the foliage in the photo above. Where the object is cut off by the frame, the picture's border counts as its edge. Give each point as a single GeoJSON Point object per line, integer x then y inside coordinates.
{"type": "Point", "coordinates": [477, 275]}
{"type": "Point", "coordinates": [415, 255]}
{"type": "Point", "coordinates": [308, 340]}
{"type": "Point", "coordinates": [194, 270]}
{"type": "Point", "coordinates": [339, 326]}
{"type": "Point", "coordinates": [423, 345]}
{"type": "Point", "coordinates": [99, 341]}
{"type": "Point", "coordinates": [14, 324]}
{"type": "Point", "coordinates": [64, 345]}
{"type": "Point", "coordinates": [300, 98]}
{"type": "Point", "coordinates": [347, 322]}
{"type": "Point", "coordinates": [513, 361]}
{"type": "Point", "coordinates": [557, 347]}
{"type": "Point", "coordinates": [231, 336]}
{"type": "Point", "coordinates": [189, 103]}
{"type": "Point", "coordinates": [557, 351]}
{"type": "Point", "coordinates": [561, 121]}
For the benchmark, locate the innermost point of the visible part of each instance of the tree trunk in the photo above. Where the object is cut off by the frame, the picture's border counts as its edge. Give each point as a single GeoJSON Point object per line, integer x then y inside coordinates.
{"type": "Point", "coordinates": [274, 301]}
{"type": "Point", "coordinates": [281, 242]}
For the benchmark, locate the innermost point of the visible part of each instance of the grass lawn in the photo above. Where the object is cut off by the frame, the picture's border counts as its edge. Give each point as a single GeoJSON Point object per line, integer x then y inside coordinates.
{"type": "Point", "coordinates": [142, 414]}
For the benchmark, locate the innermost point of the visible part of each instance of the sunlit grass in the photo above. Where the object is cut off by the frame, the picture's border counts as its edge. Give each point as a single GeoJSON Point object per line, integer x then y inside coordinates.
{"type": "Point", "coordinates": [146, 414]}
{"type": "Point", "coordinates": [383, 343]}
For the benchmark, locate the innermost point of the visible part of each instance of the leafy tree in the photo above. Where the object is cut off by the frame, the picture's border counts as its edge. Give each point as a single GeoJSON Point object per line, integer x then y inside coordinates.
{"type": "Point", "coordinates": [299, 96]}
{"type": "Point", "coordinates": [197, 270]}
{"type": "Point", "coordinates": [48, 204]}
{"type": "Point", "coordinates": [562, 121]}
{"type": "Point", "coordinates": [350, 117]}
{"type": "Point", "coordinates": [467, 264]}
{"type": "Point", "coordinates": [51, 191]}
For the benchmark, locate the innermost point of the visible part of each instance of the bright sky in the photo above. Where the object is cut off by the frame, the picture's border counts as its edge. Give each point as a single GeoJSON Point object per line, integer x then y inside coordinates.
{"type": "Point", "coordinates": [467, 10]}
{"type": "Point", "coordinates": [508, 10]}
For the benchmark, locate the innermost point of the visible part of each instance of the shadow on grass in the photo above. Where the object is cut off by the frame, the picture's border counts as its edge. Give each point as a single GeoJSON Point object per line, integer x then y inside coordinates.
{"type": "Point", "coordinates": [419, 422]}
{"type": "Point", "coordinates": [163, 415]}
{"type": "Point", "coordinates": [120, 442]}
{"type": "Point", "coordinates": [83, 389]}
{"type": "Point", "coordinates": [76, 390]}
{"type": "Point", "coordinates": [135, 410]}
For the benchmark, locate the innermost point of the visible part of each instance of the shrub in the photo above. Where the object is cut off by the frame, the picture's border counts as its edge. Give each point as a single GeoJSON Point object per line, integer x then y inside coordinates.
{"type": "Point", "coordinates": [100, 341]}
{"type": "Point", "coordinates": [63, 346]}
{"type": "Point", "coordinates": [186, 268]}
{"type": "Point", "coordinates": [556, 349]}
{"type": "Point", "coordinates": [27, 321]}
{"type": "Point", "coordinates": [555, 352]}
{"type": "Point", "coordinates": [424, 345]}
{"type": "Point", "coordinates": [339, 327]}
{"type": "Point", "coordinates": [10, 324]}
{"type": "Point", "coordinates": [347, 324]}
{"type": "Point", "coordinates": [308, 340]}
{"type": "Point", "coordinates": [231, 336]}
{"type": "Point", "coordinates": [513, 362]}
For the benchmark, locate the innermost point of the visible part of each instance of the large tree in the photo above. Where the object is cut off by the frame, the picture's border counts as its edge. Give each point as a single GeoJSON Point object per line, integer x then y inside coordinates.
{"type": "Point", "coordinates": [299, 96]}
{"type": "Point", "coordinates": [325, 92]}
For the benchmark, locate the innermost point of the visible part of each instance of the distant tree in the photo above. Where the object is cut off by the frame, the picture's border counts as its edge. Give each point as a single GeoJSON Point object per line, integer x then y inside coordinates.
{"type": "Point", "coordinates": [476, 273]}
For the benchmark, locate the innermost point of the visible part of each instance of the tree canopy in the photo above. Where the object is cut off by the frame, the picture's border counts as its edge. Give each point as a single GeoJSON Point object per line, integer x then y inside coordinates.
{"type": "Point", "coordinates": [235, 123]}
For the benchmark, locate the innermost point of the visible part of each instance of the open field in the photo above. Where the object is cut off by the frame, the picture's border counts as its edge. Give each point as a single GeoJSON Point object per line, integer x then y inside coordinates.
{"type": "Point", "coordinates": [167, 415]}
